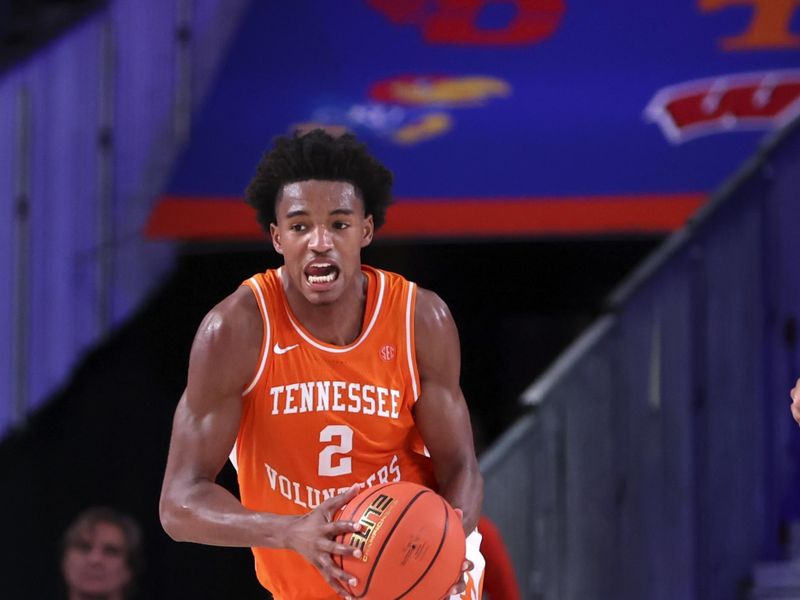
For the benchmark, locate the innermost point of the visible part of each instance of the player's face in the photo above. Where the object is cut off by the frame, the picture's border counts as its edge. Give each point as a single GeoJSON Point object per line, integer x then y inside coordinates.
{"type": "Point", "coordinates": [96, 564]}
{"type": "Point", "coordinates": [320, 232]}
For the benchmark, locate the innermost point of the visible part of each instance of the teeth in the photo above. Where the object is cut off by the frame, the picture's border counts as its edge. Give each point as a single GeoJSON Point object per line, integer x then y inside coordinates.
{"type": "Point", "coordinates": [322, 278]}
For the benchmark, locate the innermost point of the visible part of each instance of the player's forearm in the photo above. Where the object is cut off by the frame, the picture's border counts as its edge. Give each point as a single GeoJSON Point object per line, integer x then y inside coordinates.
{"type": "Point", "coordinates": [462, 487]}
{"type": "Point", "coordinates": [206, 513]}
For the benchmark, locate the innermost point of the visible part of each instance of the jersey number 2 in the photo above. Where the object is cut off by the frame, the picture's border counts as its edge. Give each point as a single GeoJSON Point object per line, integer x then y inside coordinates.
{"type": "Point", "coordinates": [344, 436]}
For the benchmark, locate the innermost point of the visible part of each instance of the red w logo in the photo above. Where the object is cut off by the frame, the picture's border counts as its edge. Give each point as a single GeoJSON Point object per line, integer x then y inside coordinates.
{"type": "Point", "coordinates": [729, 103]}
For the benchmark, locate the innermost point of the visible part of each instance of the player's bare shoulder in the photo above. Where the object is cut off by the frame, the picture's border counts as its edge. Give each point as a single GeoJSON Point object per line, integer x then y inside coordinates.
{"type": "Point", "coordinates": [432, 313]}
{"type": "Point", "coordinates": [228, 341]}
{"type": "Point", "coordinates": [437, 344]}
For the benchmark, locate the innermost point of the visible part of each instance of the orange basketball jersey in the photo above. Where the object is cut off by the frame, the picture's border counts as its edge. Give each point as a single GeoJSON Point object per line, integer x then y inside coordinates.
{"type": "Point", "coordinates": [318, 418]}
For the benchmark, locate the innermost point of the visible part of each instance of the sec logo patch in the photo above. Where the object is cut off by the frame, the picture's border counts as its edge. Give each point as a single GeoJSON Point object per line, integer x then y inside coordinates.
{"type": "Point", "coordinates": [387, 352]}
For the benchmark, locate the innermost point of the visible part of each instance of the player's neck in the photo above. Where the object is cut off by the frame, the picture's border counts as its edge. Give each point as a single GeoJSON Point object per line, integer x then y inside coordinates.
{"type": "Point", "coordinates": [338, 323]}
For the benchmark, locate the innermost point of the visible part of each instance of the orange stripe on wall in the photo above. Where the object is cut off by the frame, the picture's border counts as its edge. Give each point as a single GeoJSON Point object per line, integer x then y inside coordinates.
{"type": "Point", "coordinates": [207, 219]}
{"type": "Point", "coordinates": [537, 216]}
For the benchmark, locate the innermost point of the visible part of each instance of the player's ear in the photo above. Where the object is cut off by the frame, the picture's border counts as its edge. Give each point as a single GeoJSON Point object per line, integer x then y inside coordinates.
{"type": "Point", "coordinates": [368, 231]}
{"type": "Point", "coordinates": [275, 234]}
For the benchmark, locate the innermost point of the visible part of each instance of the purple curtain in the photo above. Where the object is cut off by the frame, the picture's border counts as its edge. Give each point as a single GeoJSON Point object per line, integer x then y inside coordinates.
{"type": "Point", "coordinates": [99, 113]}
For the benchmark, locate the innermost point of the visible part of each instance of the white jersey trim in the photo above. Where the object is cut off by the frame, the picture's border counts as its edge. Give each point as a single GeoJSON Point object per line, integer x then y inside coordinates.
{"type": "Point", "coordinates": [232, 457]}
{"type": "Point", "coordinates": [409, 349]}
{"type": "Point", "coordinates": [262, 305]}
{"type": "Point", "coordinates": [355, 344]}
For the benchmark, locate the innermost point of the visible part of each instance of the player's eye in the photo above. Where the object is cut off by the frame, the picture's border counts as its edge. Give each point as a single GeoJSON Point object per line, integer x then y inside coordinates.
{"type": "Point", "coordinates": [341, 225]}
{"type": "Point", "coordinates": [297, 227]}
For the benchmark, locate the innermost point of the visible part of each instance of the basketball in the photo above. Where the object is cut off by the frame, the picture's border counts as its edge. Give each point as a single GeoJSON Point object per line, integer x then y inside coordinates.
{"type": "Point", "coordinates": [411, 539]}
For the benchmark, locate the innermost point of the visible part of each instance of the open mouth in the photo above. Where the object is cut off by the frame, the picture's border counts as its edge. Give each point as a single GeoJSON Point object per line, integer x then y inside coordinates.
{"type": "Point", "coordinates": [321, 272]}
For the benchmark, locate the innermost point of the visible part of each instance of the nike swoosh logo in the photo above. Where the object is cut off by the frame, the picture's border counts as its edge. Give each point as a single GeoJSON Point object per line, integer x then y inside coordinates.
{"type": "Point", "coordinates": [278, 350]}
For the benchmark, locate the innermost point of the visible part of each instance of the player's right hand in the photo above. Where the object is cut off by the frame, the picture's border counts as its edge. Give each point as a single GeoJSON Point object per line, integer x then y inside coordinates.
{"type": "Point", "coordinates": [795, 395]}
{"type": "Point", "coordinates": [314, 536]}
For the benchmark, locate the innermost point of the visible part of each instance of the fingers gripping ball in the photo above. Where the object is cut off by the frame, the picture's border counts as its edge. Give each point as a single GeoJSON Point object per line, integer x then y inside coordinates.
{"type": "Point", "coordinates": [411, 539]}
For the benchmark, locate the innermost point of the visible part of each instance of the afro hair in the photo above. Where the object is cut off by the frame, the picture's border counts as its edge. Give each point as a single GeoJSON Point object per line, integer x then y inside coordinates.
{"type": "Point", "coordinates": [320, 156]}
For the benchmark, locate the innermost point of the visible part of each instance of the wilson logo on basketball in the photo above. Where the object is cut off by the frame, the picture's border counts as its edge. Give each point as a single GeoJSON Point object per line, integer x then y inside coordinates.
{"type": "Point", "coordinates": [371, 522]}
{"type": "Point", "coordinates": [387, 352]}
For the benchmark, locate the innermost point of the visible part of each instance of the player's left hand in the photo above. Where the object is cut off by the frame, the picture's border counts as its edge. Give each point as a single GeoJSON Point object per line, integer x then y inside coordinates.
{"type": "Point", "coordinates": [795, 395]}
{"type": "Point", "coordinates": [460, 586]}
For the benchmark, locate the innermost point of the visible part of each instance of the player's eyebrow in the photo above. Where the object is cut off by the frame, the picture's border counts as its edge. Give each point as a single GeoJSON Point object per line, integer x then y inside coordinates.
{"type": "Point", "coordinates": [299, 212]}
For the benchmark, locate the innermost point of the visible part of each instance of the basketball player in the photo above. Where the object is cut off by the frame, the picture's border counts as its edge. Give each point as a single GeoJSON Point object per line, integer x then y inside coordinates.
{"type": "Point", "coordinates": [795, 395]}
{"type": "Point", "coordinates": [318, 379]}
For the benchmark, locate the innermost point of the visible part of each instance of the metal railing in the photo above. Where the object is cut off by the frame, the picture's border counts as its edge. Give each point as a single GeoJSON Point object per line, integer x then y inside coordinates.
{"type": "Point", "coordinates": [654, 461]}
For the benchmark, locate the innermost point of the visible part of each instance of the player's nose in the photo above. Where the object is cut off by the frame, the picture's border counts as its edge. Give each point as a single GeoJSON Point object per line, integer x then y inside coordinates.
{"type": "Point", "coordinates": [321, 239]}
